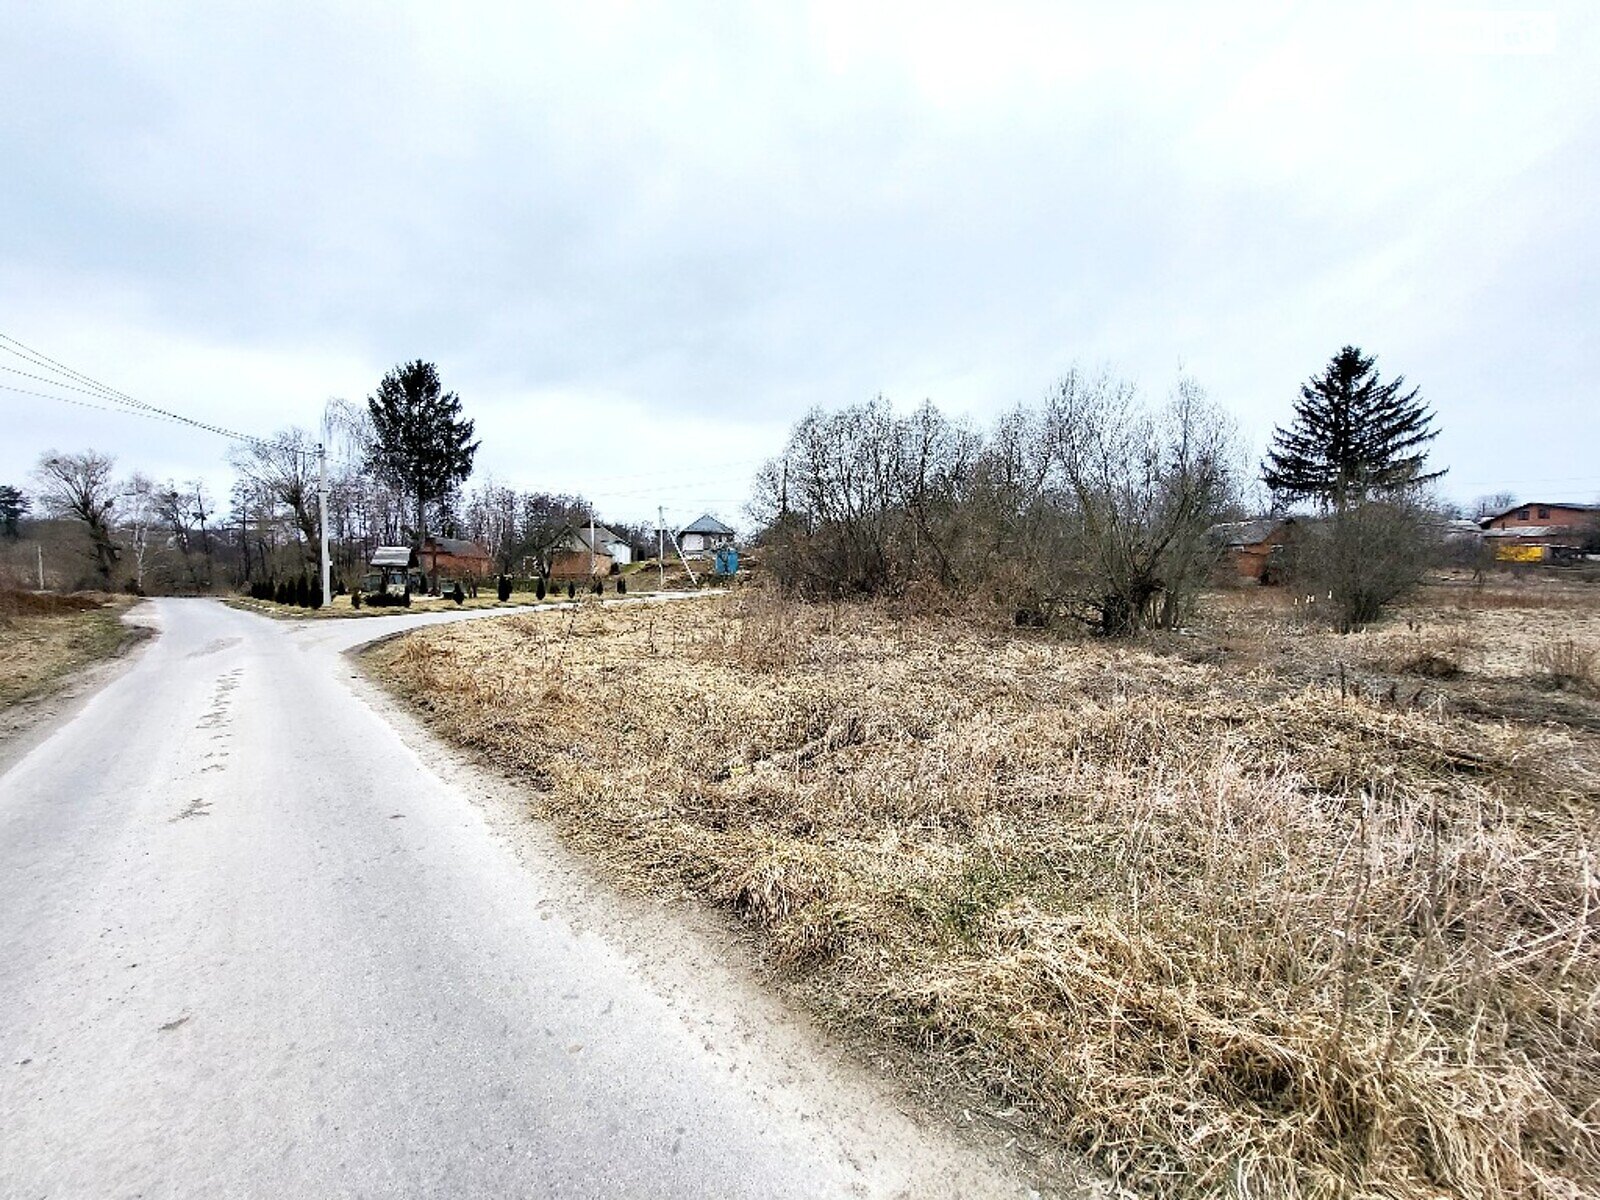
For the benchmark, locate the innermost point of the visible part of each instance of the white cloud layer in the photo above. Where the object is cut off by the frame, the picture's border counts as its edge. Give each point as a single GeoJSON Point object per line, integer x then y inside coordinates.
{"type": "Point", "coordinates": [640, 240]}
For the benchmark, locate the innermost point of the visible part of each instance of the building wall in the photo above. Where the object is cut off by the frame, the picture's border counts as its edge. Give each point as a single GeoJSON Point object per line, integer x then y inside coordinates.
{"type": "Point", "coordinates": [1250, 561]}
{"type": "Point", "coordinates": [1543, 514]}
{"type": "Point", "coordinates": [450, 566]}
{"type": "Point", "coordinates": [574, 565]}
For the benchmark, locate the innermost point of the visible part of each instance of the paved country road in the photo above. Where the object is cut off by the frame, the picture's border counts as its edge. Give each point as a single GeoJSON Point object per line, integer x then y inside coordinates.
{"type": "Point", "coordinates": [258, 939]}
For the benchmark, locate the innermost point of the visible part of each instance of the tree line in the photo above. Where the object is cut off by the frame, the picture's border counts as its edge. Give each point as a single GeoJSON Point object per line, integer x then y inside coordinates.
{"type": "Point", "coordinates": [397, 469]}
{"type": "Point", "coordinates": [1094, 507]}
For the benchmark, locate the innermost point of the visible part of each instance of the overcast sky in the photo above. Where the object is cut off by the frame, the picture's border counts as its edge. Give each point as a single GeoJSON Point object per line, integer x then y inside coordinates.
{"type": "Point", "coordinates": [640, 241]}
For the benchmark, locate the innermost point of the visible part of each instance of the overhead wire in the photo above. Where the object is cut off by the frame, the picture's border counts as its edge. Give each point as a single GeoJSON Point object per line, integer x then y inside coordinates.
{"type": "Point", "coordinates": [131, 405]}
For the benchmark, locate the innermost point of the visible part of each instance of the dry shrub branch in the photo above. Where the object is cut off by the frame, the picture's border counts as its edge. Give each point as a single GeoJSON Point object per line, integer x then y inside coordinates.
{"type": "Point", "coordinates": [1224, 940]}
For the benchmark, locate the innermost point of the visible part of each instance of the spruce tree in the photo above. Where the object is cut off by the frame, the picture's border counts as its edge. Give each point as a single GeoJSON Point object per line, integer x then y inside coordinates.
{"type": "Point", "coordinates": [422, 444]}
{"type": "Point", "coordinates": [1353, 437]}
{"type": "Point", "coordinates": [13, 506]}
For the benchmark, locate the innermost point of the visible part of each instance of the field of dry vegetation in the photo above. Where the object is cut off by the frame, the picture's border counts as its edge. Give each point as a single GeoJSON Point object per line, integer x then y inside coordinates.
{"type": "Point", "coordinates": [48, 636]}
{"type": "Point", "coordinates": [1255, 911]}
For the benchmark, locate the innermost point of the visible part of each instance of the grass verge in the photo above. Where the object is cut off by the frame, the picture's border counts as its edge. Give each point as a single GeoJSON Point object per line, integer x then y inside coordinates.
{"type": "Point", "coordinates": [47, 637]}
{"type": "Point", "coordinates": [1223, 934]}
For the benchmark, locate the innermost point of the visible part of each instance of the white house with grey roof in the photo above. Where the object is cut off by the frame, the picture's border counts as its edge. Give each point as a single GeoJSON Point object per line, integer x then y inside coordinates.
{"type": "Point", "coordinates": [705, 536]}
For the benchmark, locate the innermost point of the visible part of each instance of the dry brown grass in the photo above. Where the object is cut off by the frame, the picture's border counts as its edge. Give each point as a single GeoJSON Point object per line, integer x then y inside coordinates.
{"type": "Point", "coordinates": [1224, 936]}
{"type": "Point", "coordinates": [47, 636]}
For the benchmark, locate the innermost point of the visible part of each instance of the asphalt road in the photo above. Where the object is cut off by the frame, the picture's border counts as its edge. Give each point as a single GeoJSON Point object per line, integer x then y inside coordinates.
{"type": "Point", "coordinates": [258, 939]}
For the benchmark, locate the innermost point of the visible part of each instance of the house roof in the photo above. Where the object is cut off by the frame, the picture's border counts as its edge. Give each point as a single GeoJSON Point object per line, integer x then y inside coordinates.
{"type": "Point", "coordinates": [1517, 531]}
{"type": "Point", "coordinates": [707, 524]}
{"type": "Point", "coordinates": [1247, 533]}
{"type": "Point", "coordinates": [394, 556]}
{"type": "Point", "coordinates": [1538, 504]}
{"type": "Point", "coordinates": [459, 547]}
{"type": "Point", "coordinates": [602, 535]}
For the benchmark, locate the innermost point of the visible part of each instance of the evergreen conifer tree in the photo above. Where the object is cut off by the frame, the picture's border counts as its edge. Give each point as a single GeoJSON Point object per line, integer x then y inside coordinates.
{"type": "Point", "coordinates": [422, 444]}
{"type": "Point", "coordinates": [13, 506]}
{"type": "Point", "coordinates": [1353, 437]}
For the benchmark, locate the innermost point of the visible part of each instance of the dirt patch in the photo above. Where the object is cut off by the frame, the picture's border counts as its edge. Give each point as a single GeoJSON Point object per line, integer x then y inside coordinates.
{"type": "Point", "coordinates": [1221, 916]}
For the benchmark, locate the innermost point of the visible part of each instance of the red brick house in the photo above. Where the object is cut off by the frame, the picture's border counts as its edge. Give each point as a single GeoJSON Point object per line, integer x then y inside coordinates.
{"type": "Point", "coordinates": [1253, 548]}
{"type": "Point", "coordinates": [454, 559]}
{"type": "Point", "coordinates": [1529, 532]}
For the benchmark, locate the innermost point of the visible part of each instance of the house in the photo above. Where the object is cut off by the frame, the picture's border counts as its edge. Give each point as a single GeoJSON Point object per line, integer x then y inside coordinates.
{"type": "Point", "coordinates": [1255, 550]}
{"type": "Point", "coordinates": [1537, 532]}
{"type": "Point", "coordinates": [705, 536]}
{"type": "Point", "coordinates": [607, 542]}
{"type": "Point", "coordinates": [573, 558]}
{"type": "Point", "coordinates": [455, 559]}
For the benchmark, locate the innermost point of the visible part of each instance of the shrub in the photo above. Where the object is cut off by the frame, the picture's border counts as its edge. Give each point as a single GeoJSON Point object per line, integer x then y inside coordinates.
{"type": "Point", "coordinates": [597, 586]}
{"type": "Point", "coordinates": [405, 601]}
{"type": "Point", "coordinates": [572, 590]}
{"type": "Point", "coordinates": [539, 588]}
{"type": "Point", "coordinates": [302, 592]}
{"type": "Point", "coordinates": [457, 594]}
{"type": "Point", "coordinates": [355, 598]}
{"type": "Point", "coordinates": [622, 586]}
{"type": "Point", "coordinates": [503, 588]}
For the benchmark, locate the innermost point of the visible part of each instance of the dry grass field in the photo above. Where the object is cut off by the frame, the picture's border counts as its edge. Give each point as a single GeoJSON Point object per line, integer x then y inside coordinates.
{"type": "Point", "coordinates": [46, 637]}
{"type": "Point", "coordinates": [1254, 911]}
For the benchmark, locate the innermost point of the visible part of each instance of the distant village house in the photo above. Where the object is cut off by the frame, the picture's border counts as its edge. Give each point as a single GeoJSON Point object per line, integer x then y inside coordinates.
{"type": "Point", "coordinates": [455, 559]}
{"type": "Point", "coordinates": [1539, 532]}
{"type": "Point", "coordinates": [577, 557]}
{"type": "Point", "coordinates": [1254, 551]}
{"type": "Point", "coordinates": [705, 536]}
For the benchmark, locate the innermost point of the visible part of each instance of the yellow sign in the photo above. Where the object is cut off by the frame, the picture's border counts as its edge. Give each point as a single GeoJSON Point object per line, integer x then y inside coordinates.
{"type": "Point", "coordinates": [1528, 554]}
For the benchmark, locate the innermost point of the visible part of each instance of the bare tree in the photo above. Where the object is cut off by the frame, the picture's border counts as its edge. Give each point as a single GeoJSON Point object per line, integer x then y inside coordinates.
{"type": "Point", "coordinates": [140, 510]}
{"type": "Point", "coordinates": [1139, 489]}
{"type": "Point", "coordinates": [285, 471]}
{"type": "Point", "coordinates": [864, 501]}
{"type": "Point", "coordinates": [546, 522]}
{"type": "Point", "coordinates": [1367, 557]}
{"type": "Point", "coordinates": [79, 486]}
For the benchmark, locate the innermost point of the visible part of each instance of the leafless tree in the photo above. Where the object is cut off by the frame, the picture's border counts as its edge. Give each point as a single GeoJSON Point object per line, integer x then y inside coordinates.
{"type": "Point", "coordinates": [864, 501]}
{"type": "Point", "coordinates": [285, 470]}
{"type": "Point", "coordinates": [1365, 558]}
{"type": "Point", "coordinates": [1139, 488]}
{"type": "Point", "coordinates": [79, 486]}
{"type": "Point", "coordinates": [140, 510]}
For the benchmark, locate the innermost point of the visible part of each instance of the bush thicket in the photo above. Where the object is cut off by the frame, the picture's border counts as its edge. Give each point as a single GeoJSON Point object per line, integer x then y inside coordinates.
{"type": "Point", "coordinates": [1092, 507]}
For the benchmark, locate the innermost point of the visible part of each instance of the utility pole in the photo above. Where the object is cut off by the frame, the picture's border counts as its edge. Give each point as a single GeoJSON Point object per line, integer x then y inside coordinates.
{"type": "Point", "coordinates": [591, 546]}
{"type": "Point", "coordinates": [39, 546]}
{"type": "Point", "coordinates": [322, 505]}
{"type": "Point", "coordinates": [661, 548]}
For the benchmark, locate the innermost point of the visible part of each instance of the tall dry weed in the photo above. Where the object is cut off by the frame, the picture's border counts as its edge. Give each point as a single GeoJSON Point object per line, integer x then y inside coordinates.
{"type": "Point", "coordinates": [1223, 940]}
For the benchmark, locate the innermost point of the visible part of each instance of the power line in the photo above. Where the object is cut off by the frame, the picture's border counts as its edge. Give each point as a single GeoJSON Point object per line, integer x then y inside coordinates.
{"type": "Point", "coordinates": [133, 405]}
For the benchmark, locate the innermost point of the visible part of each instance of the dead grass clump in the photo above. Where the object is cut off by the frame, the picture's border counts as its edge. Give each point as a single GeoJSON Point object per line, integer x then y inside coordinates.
{"type": "Point", "coordinates": [1563, 664]}
{"type": "Point", "coordinates": [1226, 938]}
